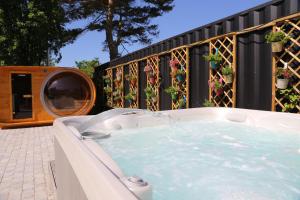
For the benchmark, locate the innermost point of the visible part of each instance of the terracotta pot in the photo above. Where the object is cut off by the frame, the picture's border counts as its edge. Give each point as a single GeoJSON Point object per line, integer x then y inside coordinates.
{"type": "Point", "coordinates": [152, 80]}
{"type": "Point", "coordinates": [277, 47]}
{"type": "Point", "coordinates": [174, 69]}
{"type": "Point", "coordinates": [282, 83]}
{"type": "Point", "coordinates": [133, 82]}
{"type": "Point", "coordinates": [228, 78]}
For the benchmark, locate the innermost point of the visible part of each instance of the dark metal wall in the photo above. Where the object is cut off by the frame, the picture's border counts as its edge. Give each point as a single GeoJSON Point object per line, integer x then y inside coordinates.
{"type": "Point", "coordinates": [254, 57]}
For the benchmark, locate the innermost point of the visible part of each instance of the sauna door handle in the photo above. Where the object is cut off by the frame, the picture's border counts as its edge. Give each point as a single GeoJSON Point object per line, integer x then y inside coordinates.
{"type": "Point", "coordinates": [27, 96]}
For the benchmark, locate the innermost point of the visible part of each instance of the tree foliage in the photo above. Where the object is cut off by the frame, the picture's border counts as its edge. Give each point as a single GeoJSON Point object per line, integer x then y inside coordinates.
{"type": "Point", "coordinates": [123, 21]}
{"type": "Point", "coordinates": [88, 66]}
{"type": "Point", "coordinates": [31, 30]}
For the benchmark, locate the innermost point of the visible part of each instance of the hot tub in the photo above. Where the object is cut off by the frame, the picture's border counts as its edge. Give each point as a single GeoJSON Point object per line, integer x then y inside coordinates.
{"type": "Point", "coordinates": [201, 153]}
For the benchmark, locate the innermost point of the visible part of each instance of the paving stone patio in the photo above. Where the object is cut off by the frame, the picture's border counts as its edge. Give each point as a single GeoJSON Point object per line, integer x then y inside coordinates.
{"type": "Point", "coordinates": [24, 164]}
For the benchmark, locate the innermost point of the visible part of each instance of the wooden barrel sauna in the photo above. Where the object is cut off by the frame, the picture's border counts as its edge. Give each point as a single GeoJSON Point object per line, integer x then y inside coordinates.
{"type": "Point", "coordinates": [37, 95]}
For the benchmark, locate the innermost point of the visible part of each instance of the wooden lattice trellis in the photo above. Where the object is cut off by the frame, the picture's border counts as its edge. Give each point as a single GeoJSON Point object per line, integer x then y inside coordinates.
{"type": "Point", "coordinates": [109, 84]}
{"type": "Point", "coordinates": [290, 56]}
{"type": "Point", "coordinates": [134, 84]}
{"type": "Point", "coordinates": [153, 82]}
{"type": "Point", "coordinates": [118, 92]}
{"type": "Point", "coordinates": [226, 47]}
{"type": "Point", "coordinates": [181, 82]}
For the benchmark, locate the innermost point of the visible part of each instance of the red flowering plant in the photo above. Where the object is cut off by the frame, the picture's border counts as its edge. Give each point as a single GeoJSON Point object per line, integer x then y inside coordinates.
{"type": "Point", "coordinates": [283, 73]}
{"type": "Point", "coordinates": [217, 86]}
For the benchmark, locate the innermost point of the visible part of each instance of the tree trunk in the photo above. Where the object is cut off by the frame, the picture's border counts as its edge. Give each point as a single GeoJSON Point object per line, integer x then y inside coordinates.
{"type": "Point", "coordinates": [112, 46]}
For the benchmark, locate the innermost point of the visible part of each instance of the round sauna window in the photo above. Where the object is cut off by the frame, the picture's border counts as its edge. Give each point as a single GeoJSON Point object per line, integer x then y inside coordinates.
{"type": "Point", "coordinates": [67, 93]}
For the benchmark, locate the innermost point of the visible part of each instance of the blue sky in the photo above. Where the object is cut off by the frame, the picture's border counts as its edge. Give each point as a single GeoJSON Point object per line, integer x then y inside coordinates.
{"type": "Point", "coordinates": [186, 15]}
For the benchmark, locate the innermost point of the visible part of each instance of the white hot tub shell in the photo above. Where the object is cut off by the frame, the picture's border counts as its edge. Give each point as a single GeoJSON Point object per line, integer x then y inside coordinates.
{"type": "Point", "coordinates": [84, 170]}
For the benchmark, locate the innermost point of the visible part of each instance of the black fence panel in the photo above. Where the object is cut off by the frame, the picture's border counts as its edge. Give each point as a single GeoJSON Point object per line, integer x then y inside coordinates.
{"type": "Point", "coordinates": [142, 85]}
{"type": "Point", "coordinates": [199, 70]}
{"type": "Point", "coordinates": [166, 81]}
{"type": "Point", "coordinates": [126, 85]}
{"type": "Point", "coordinates": [254, 68]}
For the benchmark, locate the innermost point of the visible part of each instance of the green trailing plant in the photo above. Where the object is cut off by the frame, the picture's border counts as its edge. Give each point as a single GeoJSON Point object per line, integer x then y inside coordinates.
{"type": "Point", "coordinates": [227, 70]}
{"type": "Point", "coordinates": [292, 100]}
{"type": "Point", "coordinates": [180, 72]}
{"type": "Point", "coordinates": [107, 90]}
{"type": "Point", "coordinates": [278, 36]}
{"type": "Point", "coordinates": [130, 96]}
{"type": "Point", "coordinates": [173, 91]}
{"type": "Point", "coordinates": [149, 92]}
{"type": "Point", "coordinates": [208, 103]}
{"type": "Point", "coordinates": [217, 58]}
{"type": "Point", "coordinates": [182, 103]}
{"type": "Point", "coordinates": [106, 79]}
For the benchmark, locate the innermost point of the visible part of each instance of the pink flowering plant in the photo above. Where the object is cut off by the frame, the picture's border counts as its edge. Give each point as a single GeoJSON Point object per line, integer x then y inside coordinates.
{"type": "Point", "coordinates": [217, 86]}
{"type": "Point", "coordinates": [174, 64]}
{"type": "Point", "coordinates": [283, 73]}
{"type": "Point", "coordinates": [147, 68]}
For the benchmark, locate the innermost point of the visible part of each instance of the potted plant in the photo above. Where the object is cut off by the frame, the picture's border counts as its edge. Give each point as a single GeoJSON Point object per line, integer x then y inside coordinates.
{"type": "Point", "coordinates": [151, 78]}
{"type": "Point", "coordinates": [149, 92]}
{"type": "Point", "coordinates": [173, 91]}
{"type": "Point", "coordinates": [214, 59]}
{"type": "Point", "coordinates": [107, 90]}
{"type": "Point", "coordinates": [180, 75]}
{"type": "Point", "coordinates": [292, 100]}
{"type": "Point", "coordinates": [131, 78]}
{"type": "Point", "coordinates": [277, 39]}
{"type": "Point", "coordinates": [217, 86]}
{"type": "Point", "coordinates": [119, 75]}
{"type": "Point", "coordinates": [147, 69]}
{"type": "Point", "coordinates": [283, 76]}
{"type": "Point", "coordinates": [174, 65]}
{"type": "Point", "coordinates": [227, 73]}
{"type": "Point", "coordinates": [130, 97]}
{"type": "Point", "coordinates": [208, 103]}
{"type": "Point", "coordinates": [106, 79]}
{"type": "Point", "coordinates": [182, 102]}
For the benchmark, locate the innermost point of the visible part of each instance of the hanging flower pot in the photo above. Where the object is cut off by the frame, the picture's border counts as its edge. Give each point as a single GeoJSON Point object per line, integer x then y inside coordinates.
{"type": "Point", "coordinates": [283, 76]}
{"type": "Point", "coordinates": [277, 39]}
{"type": "Point", "coordinates": [154, 99]}
{"type": "Point", "coordinates": [227, 73]}
{"type": "Point", "coordinates": [180, 75]}
{"type": "Point", "coordinates": [282, 83]}
{"type": "Point", "coordinates": [214, 59]}
{"type": "Point", "coordinates": [219, 92]}
{"type": "Point", "coordinates": [174, 69]}
{"type": "Point", "coordinates": [228, 78]}
{"type": "Point", "coordinates": [277, 47]}
{"type": "Point", "coordinates": [133, 81]}
{"type": "Point", "coordinates": [152, 80]}
{"type": "Point", "coordinates": [147, 68]}
{"type": "Point", "coordinates": [214, 64]}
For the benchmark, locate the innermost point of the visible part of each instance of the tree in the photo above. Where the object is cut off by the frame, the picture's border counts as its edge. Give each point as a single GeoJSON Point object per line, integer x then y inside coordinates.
{"type": "Point", "coordinates": [124, 21]}
{"type": "Point", "coordinates": [33, 31]}
{"type": "Point", "coordinates": [88, 66]}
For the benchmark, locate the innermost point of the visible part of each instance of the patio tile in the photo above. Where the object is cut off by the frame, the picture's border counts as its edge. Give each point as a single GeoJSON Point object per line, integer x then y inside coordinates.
{"type": "Point", "coordinates": [24, 161]}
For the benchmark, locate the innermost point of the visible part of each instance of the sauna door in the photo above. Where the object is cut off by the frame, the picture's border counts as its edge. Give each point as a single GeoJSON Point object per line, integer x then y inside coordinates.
{"type": "Point", "coordinates": [21, 96]}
